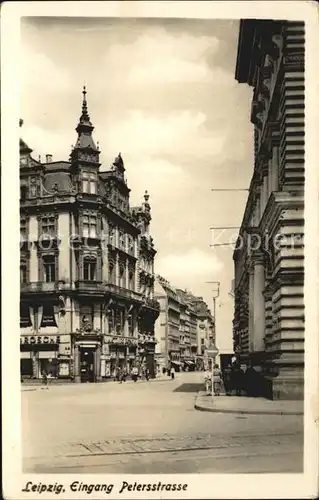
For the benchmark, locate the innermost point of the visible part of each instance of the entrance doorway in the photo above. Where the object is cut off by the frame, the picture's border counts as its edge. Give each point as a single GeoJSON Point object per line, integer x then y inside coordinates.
{"type": "Point", "coordinates": [87, 364]}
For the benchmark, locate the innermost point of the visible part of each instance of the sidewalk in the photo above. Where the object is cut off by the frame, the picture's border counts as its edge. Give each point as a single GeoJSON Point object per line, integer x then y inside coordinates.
{"type": "Point", "coordinates": [242, 404]}
{"type": "Point", "coordinates": [33, 385]}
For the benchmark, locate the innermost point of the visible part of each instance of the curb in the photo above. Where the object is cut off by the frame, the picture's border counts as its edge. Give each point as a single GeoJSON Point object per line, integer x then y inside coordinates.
{"type": "Point", "coordinates": [201, 407]}
{"type": "Point", "coordinates": [247, 412]}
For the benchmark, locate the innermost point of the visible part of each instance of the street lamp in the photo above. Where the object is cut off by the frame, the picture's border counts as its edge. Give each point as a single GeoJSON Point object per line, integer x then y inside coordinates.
{"type": "Point", "coordinates": [212, 351]}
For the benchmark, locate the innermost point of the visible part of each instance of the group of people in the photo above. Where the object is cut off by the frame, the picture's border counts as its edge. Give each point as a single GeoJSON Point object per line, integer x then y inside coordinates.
{"type": "Point", "coordinates": [122, 374]}
{"type": "Point", "coordinates": [234, 380]}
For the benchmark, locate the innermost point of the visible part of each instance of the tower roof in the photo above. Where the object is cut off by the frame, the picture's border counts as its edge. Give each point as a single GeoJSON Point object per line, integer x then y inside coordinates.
{"type": "Point", "coordinates": [85, 128]}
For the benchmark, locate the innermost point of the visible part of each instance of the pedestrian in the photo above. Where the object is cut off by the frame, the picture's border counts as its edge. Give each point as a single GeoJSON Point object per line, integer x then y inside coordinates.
{"type": "Point", "coordinates": [227, 375]}
{"type": "Point", "coordinates": [208, 381]}
{"type": "Point", "coordinates": [217, 380]}
{"type": "Point", "coordinates": [45, 377]}
{"type": "Point", "coordinates": [238, 379]}
{"type": "Point", "coordinates": [172, 372]}
{"type": "Point", "coordinates": [251, 381]}
{"type": "Point", "coordinates": [168, 372]}
{"type": "Point", "coordinates": [134, 373]}
{"type": "Point", "coordinates": [124, 374]}
{"type": "Point", "coordinates": [147, 374]}
{"type": "Point", "coordinates": [164, 370]}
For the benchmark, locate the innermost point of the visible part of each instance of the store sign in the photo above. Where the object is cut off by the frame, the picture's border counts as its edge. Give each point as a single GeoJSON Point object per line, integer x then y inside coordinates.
{"type": "Point", "coordinates": [41, 339]}
{"type": "Point", "coordinates": [109, 339]}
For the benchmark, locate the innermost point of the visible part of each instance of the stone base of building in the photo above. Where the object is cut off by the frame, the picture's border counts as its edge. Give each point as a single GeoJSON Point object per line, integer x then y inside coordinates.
{"type": "Point", "coordinates": [287, 388]}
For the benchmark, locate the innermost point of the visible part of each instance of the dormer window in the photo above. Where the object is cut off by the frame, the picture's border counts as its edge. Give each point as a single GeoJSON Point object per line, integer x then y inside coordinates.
{"type": "Point", "coordinates": [89, 183]}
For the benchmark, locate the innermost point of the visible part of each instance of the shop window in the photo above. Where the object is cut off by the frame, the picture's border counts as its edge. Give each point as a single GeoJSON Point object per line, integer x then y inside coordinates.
{"type": "Point", "coordinates": [25, 320]}
{"type": "Point", "coordinates": [26, 369]}
{"type": "Point", "coordinates": [49, 366]}
{"type": "Point", "coordinates": [49, 268]}
{"type": "Point", "coordinates": [89, 183]}
{"type": "Point", "coordinates": [48, 318]}
{"type": "Point", "coordinates": [89, 268]}
{"type": "Point", "coordinates": [89, 224]}
{"type": "Point", "coordinates": [48, 226]}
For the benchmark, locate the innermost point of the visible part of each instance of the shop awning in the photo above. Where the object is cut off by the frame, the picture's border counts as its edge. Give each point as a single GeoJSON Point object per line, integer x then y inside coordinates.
{"type": "Point", "coordinates": [189, 362]}
{"type": "Point", "coordinates": [176, 363]}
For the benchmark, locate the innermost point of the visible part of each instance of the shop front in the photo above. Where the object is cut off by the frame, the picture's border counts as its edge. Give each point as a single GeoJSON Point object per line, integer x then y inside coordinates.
{"type": "Point", "coordinates": [87, 358]}
{"type": "Point", "coordinates": [119, 353]}
{"type": "Point", "coordinates": [39, 355]}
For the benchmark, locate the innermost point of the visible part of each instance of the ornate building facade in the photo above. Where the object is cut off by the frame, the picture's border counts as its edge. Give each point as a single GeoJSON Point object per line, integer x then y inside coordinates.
{"type": "Point", "coordinates": [87, 266]}
{"type": "Point", "coordinates": [269, 259]}
{"type": "Point", "coordinates": [183, 329]}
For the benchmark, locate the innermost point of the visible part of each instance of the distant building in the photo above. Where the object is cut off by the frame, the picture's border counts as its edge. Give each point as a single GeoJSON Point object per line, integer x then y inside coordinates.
{"type": "Point", "coordinates": [268, 327]}
{"type": "Point", "coordinates": [87, 266]}
{"type": "Point", "coordinates": [183, 329]}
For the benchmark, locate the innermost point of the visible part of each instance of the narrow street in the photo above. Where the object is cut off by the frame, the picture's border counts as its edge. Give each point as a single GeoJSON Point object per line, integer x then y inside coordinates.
{"type": "Point", "coordinates": [150, 427]}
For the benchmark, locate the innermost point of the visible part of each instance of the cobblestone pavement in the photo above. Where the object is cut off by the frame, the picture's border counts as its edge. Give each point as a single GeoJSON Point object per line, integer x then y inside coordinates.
{"type": "Point", "coordinates": [150, 428]}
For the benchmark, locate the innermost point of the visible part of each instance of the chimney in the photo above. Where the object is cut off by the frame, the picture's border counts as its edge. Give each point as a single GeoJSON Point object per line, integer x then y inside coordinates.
{"type": "Point", "coordinates": [48, 158]}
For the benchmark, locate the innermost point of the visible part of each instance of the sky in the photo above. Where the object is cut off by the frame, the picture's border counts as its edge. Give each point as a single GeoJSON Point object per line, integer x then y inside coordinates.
{"type": "Point", "coordinates": [163, 93]}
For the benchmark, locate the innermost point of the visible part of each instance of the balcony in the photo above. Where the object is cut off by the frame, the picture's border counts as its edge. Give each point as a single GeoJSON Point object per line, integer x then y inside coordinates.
{"type": "Point", "coordinates": [88, 285]}
{"type": "Point", "coordinates": [38, 286]}
{"type": "Point", "coordinates": [153, 304]}
{"type": "Point", "coordinates": [122, 292]}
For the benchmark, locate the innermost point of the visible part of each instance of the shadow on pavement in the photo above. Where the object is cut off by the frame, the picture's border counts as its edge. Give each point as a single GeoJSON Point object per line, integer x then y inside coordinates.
{"type": "Point", "coordinates": [189, 387]}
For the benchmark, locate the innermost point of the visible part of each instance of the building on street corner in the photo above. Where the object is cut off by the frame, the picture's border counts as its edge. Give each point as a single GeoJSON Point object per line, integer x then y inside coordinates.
{"type": "Point", "coordinates": [87, 302]}
{"type": "Point", "coordinates": [268, 326]}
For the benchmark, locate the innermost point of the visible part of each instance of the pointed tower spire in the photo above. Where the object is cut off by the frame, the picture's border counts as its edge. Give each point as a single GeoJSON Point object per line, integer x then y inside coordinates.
{"type": "Point", "coordinates": [85, 148]}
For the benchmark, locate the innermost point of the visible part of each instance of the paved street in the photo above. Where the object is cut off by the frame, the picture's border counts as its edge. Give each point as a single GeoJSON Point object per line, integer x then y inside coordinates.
{"type": "Point", "coordinates": [150, 427]}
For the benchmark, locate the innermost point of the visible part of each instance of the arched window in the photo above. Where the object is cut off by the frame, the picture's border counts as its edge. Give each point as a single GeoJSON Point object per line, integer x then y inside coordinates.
{"type": "Point", "coordinates": [89, 268]}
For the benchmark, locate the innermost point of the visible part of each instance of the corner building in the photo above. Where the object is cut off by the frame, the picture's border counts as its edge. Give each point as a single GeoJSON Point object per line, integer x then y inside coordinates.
{"type": "Point", "coordinates": [87, 266]}
{"type": "Point", "coordinates": [268, 327]}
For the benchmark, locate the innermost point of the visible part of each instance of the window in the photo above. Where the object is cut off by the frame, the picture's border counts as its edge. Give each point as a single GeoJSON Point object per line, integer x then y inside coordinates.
{"type": "Point", "coordinates": [131, 276]}
{"type": "Point", "coordinates": [112, 273]}
{"type": "Point", "coordinates": [130, 324]}
{"type": "Point", "coordinates": [89, 268]}
{"type": "Point", "coordinates": [48, 318]}
{"type": "Point", "coordinates": [122, 276]}
{"type": "Point", "coordinates": [23, 192]}
{"type": "Point", "coordinates": [119, 321]}
{"type": "Point", "coordinates": [110, 320]}
{"type": "Point", "coordinates": [49, 268]}
{"type": "Point", "coordinates": [23, 272]}
{"type": "Point", "coordinates": [48, 226]}
{"type": "Point", "coordinates": [23, 228]}
{"type": "Point", "coordinates": [122, 240]}
{"type": "Point", "coordinates": [25, 320]}
{"type": "Point", "coordinates": [89, 183]}
{"type": "Point", "coordinates": [89, 226]}
{"type": "Point", "coordinates": [130, 244]}
{"type": "Point", "coordinates": [111, 235]}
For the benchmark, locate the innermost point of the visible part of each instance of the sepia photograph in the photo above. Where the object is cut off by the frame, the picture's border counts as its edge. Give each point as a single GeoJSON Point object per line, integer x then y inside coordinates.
{"type": "Point", "coordinates": [162, 251]}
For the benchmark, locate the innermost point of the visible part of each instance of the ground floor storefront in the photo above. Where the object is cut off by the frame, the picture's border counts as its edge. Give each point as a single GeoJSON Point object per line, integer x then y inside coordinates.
{"type": "Point", "coordinates": [84, 357]}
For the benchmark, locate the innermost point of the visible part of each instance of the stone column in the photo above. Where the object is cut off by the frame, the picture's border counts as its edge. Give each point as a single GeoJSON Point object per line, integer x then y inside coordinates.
{"type": "Point", "coordinates": [117, 270]}
{"type": "Point", "coordinates": [126, 332]}
{"type": "Point", "coordinates": [275, 169]}
{"type": "Point", "coordinates": [265, 189]}
{"type": "Point", "coordinates": [251, 310]}
{"type": "Point", "coordinates": [35, 364]}
{"type": "Point", "coordinates": [97, 364]}
{"type": "Point", "coordinates": [76, 362]}
{"type": "Point", "coordinates": [259, 304]}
